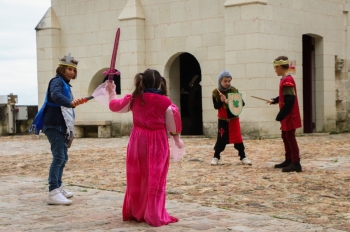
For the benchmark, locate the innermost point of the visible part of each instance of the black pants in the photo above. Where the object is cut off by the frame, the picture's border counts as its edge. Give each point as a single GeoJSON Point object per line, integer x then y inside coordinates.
{"type": "Point", "coordinates": [220, 146]}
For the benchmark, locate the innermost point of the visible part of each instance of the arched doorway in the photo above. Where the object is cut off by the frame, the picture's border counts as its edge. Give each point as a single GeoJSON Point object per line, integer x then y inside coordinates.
{"type": "Point", "coordinates": [313, 83]}
{"type": "Point", "coordinates": [309, 83]}
{"type": "Point", "coordinates": [185, 90]}
{"type": "Point", "coordinates": [99, 78]}
{"type": "Point", "coordinates": [191, 95]}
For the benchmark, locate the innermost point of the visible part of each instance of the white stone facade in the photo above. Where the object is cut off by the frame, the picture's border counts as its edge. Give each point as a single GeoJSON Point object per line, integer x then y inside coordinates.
{"type": "Point", "coordinates": [242, 36]}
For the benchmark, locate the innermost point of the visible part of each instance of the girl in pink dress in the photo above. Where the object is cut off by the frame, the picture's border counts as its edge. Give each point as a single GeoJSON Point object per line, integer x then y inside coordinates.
{"type": "Point", "coordinates": [148, 154]}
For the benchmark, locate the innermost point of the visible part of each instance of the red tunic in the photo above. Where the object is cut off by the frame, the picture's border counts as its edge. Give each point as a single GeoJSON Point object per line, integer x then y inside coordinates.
{"type": "Point", "coordinates": [292, 120]}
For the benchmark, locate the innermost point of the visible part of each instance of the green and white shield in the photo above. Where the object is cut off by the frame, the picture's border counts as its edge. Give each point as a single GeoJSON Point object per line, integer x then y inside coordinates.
{"type": "Point", "coordinates": [235, 103]}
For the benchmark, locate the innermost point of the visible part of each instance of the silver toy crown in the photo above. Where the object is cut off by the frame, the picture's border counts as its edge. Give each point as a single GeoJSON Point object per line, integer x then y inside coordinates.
{"type": "Point", "coordinates": [68, 60]}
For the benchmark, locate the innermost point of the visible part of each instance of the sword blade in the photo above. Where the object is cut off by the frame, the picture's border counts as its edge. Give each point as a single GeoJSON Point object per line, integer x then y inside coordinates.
{"type": "Point", "coordinates": [260, 98]}
{"type": "Point", "coordinates": [111, 71]}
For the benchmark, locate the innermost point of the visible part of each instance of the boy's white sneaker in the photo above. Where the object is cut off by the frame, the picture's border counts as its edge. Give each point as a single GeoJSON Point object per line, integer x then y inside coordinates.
{"type": "Point", "coordinates": [56, 198]}
{"type": "Point", "coordinates": [65, 193]}
{"type": "Point", "coordinates": [246, 161]}
{"type": "Point", "coordinates": [214, 161]}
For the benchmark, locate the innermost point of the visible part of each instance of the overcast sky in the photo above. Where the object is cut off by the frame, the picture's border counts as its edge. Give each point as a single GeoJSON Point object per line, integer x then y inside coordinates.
{"type": "Point", "coordinates": [18, 67]}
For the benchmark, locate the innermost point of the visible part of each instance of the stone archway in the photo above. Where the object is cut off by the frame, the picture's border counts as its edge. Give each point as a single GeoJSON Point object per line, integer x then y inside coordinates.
{"type": "Point", "coordinates": [184, 74]}
{"type": "Point", "coordinates": [96, 80]}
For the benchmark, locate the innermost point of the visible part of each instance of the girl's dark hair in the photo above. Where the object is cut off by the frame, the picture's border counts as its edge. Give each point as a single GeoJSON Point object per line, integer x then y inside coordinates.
{"type": "Point", "coordinates": [150, 78]}
{"type": "Point", "coordinates": [163, 87]}
{"type": "Point", "coordinates": [284, 66]}
{"type": "Point", "coordinates": [61, 69]}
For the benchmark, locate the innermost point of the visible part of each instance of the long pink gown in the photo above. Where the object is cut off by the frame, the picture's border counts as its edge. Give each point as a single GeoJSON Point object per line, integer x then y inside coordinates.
{"type": "Point", "coordinates": [148, 155]}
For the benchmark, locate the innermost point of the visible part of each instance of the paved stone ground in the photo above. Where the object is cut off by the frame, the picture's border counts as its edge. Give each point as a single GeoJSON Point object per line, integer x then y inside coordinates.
{"type": "Point", "coordinates": [98, 195]}
{"type": "Point", "coordinates": [23, 208]}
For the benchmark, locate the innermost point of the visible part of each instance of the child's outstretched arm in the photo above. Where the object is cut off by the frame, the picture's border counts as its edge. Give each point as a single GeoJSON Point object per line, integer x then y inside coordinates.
{"type": "Point", "coordinates": [117, 105]}
{"type": "Point", "coordinates": [173, 120]}
{"type": "Point", "coordinates": [174, 126]}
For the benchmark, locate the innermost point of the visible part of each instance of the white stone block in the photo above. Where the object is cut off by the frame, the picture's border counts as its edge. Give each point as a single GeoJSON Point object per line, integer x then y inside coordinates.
{"type": "Point", "coordinates": [102, 6]}
{"type": "Point", "coordinates": [280, 42]}
{"type": "Point", "coordinates": [193, 10]}
{"type": "Point", "coordinates": [200, 27]}
{"type": "Point", "coordinates": [329, 74]}
{"type": "Point", "coordinates": [105, 19]}
{"type": "Point", "coordinates": [89, 38]}
{"type": "Point", "coordinates": [232, 14]}
{"type": "Point", "coordinates": [237, 70]}
{"type": "Point", "coordinates": [159, 31]}
{"type": "Point", "coordinates": [210, 67]}
{"type": "Point", "coordinates": [264, 41]}
{"type": "Point", "coordinates": [173, 30]}
{"type": "Point", "coordinates": [231, 57]}
{"type": "Point", "coordinates": [211, 39]}
{"type": "Point", "coordinates": [201, 54]}
{"type": "Point", "coordinates": [149, 32]}
{"type": "Point", "coordinates": [234, 43]}
{"type": "Point", "coordinates": [151, 14]}
{"type": "Point", "coordinates": [151, 58]}
{"type": "Point", "coordinates": [254, 11]}
{"type": "Point", "coordinates": [210, 10]}
{"type": "Point", "coordinates": [94, 49]}
{"type": "Point", "coordinates": [250, 114]}
{"type": "Point", "coordinates": [207, 102]}
{"type": "Point", "coordinates": [216, 53]}
{"type": "Point", "coordinates": [245, 27]}
{"type": "Point", "coordinates": [153, 45]}
{"type": "Point", "coordinates": [216, 25]}
{"type": "Point", "coordinates": [178, 11]}
{"type": "Point", "coordinates": [91, 22]}
{"type": "Point", "coordinates": [329, 101]}
{"type": "Point", "coordinates": [193, 42]}
{"type": "Point", "coordinates": [255, 69]}
{"type": "Point", "coordinates": [251, 56]}
{"type": "Point", "coordinates": [164, 13]}
{"type": "Point", "coordinates": [210, 115]}
{"type": "Point", "coordinates": [272, 84]}
{"type": "Point", "coordinates": [268, 27]}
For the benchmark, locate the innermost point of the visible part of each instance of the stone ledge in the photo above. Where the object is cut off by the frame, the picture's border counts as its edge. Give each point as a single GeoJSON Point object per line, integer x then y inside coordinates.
{"type": "Point", "coordinates": [92, 123]}
{"type": "Point", "coordinates": [230, 3]}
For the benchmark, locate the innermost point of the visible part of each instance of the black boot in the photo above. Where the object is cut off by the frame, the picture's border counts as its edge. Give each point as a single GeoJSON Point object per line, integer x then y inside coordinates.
{"type": "Point", "coordinates": [294, 167]}
{"type": "Point", "coordinates": [285, 163]}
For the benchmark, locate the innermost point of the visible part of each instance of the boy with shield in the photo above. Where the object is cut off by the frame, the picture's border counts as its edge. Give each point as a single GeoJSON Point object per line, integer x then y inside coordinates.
{"type": "Point", "coordinates": [228, 101]}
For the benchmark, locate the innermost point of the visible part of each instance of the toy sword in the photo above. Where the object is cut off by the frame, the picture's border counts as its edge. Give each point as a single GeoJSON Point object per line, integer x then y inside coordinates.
{"type": "Point", "coordinates": [261, 99]}
{"type": "Point", "coordinates": [111, 72]}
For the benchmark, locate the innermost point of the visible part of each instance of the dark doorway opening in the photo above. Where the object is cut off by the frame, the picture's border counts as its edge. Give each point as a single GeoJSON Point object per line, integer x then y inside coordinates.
{"type": "Point", "coordinates": [191, 95]}
{"type": "Point", "coordinates": [308, 83]}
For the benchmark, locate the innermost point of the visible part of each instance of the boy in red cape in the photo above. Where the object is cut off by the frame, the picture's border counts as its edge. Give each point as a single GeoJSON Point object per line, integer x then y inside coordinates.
{"type": "Point", "coordinates": [289, 115]}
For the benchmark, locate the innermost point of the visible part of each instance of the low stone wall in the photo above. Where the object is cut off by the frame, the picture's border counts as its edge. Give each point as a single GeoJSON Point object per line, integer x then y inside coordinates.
{"type": "Point", "coordinates": [22, 126]}
{"type": "Point", "coordinates": [3, 124]}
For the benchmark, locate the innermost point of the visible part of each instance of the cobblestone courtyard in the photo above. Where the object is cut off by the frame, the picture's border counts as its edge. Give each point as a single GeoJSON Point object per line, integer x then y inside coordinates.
{"type": "Point", "coordinates": [318, 197]}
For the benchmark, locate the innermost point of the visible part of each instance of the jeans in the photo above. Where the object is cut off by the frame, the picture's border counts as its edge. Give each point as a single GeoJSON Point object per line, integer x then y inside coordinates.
{"type": "Point", "coordinates": [56, 136]}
